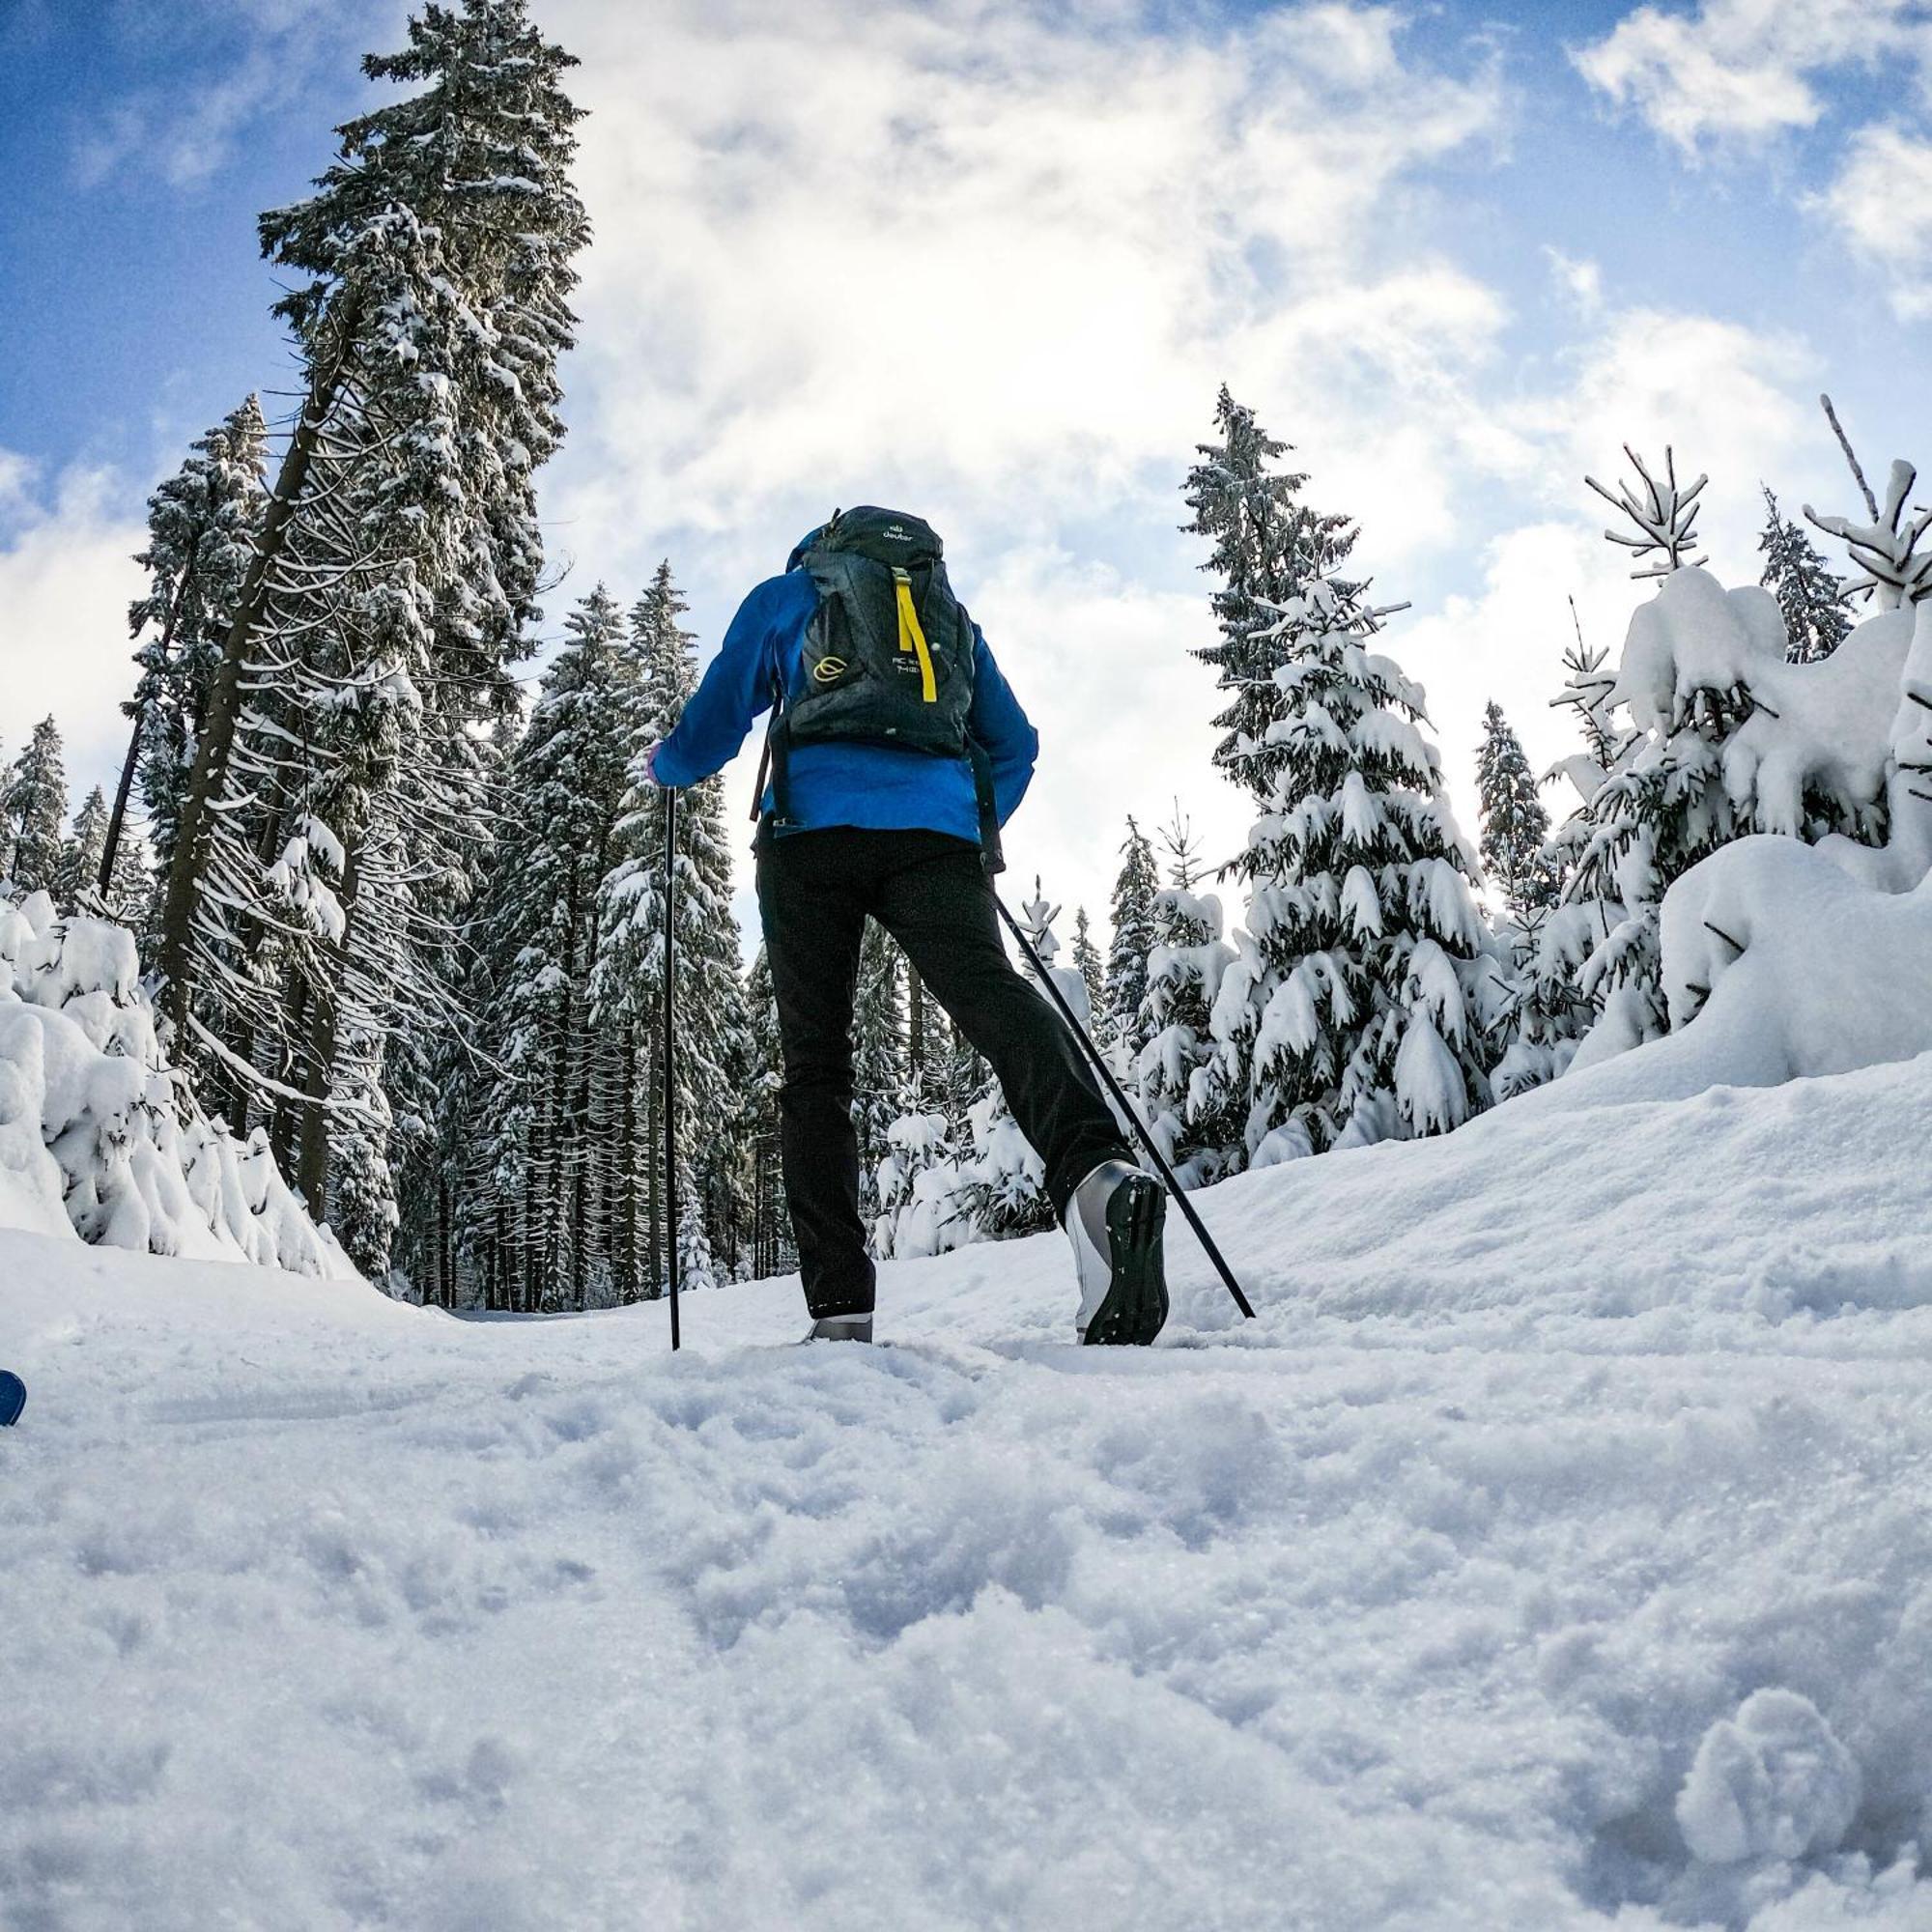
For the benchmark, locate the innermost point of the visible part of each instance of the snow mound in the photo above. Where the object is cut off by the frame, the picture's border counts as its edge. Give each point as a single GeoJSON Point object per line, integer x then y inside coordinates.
{"type": "Point", "coordinates": [1822, 726]}
{"type": "Point", "coordinates": [1777, 965]}
{"type": "Point", "coordinates": [100, 1137]}
{"type": "Point", "coordinates": [1773, 1783]}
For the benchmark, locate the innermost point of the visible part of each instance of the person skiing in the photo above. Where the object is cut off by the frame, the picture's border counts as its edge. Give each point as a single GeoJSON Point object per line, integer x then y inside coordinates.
{"type": "Point", "coordinates": [895, 752]}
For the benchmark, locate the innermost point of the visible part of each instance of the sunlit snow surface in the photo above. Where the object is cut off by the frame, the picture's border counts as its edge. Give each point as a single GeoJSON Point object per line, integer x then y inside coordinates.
{"type": "Point", "coordinates": [1566, 1509]}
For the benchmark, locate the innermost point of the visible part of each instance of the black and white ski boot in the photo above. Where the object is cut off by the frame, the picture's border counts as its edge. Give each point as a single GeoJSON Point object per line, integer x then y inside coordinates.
{"type": "Point", "coordinates": [841, 1328]}
{"type": "Point", "coordinates": [1113, 1221]}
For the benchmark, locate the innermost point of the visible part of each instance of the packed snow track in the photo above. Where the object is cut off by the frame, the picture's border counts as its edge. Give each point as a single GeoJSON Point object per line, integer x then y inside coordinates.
{"type": "Point", "coordinates": [1554, 1552]}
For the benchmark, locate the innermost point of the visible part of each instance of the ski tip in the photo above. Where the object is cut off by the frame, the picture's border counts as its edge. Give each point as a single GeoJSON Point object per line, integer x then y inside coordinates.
{"type": "Point", "coordinates": [12, 1398]}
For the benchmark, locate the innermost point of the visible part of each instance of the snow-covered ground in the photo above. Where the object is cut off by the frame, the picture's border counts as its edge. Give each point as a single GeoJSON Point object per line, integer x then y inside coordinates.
{"type": "Point", "coordinates": [1554, 1551]}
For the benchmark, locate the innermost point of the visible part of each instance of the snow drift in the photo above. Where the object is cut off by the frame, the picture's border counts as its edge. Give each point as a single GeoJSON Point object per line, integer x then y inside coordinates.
{"type": "Point", "coordinates": [100, 1137]}
{"type": "Point", "coordinates": [1550, 1556]}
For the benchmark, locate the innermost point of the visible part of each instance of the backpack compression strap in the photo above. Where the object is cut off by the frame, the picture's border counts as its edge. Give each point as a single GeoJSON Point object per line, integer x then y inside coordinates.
{"type": "Point", "coordinates": [912, 638]}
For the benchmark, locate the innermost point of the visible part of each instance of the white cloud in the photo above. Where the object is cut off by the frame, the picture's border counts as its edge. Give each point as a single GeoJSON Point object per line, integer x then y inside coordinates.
{"type": "Point", "coordinates": [67, 577]}
{"type": "Point", "coordinates": [1738, 71]}
{"type": "Point", "coordinates": [1881, 202]}
{"type": "Point", "coordinates": [994, 253]}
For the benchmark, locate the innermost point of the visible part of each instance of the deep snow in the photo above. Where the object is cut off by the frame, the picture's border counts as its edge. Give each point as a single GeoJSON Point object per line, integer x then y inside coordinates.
{"type": "Point", "coordinates": [1565, 1510]}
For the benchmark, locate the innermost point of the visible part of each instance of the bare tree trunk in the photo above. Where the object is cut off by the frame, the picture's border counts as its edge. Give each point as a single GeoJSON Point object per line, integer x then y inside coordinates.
{"type": "Point", "coordinates": [224, 697]}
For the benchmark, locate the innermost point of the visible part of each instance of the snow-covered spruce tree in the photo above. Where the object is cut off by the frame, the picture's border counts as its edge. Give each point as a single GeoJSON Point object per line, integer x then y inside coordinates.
{"type": "Point", "coordinates": [1266, 544]}
{"type": "Point", "coordinates": [1515, 825]}
{"type": "Point", "coordinates": [1816, 615]}
{"type": "Point", "coordinates": [1196, 1120]}
{"type": "Point", "coordinates": [393, 574]}
{"type": "Point", "coordinates": [1134, 936]}
{"type": "Point", "coordinates": [33, 812]}
{"type": "Point", "coordinates": [714, 1053]}
{"type": "Point", "coordinates": [1367, 1014]}
{"type": "Point", "coordinates": [80, 856]}
{"type": "Point", "coordinates": [1548, 1013]}
{"type": "Point", "coordinates": [201, 529]}
{"type": "Point", "coordinates": [564, 794]}
{"type": "Point", "coordinates": [1664, 805]}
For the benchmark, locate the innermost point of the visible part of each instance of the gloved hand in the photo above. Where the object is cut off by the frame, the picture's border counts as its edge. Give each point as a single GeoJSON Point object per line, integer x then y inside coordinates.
{"type": "Point", "coordinates": [651, 765]}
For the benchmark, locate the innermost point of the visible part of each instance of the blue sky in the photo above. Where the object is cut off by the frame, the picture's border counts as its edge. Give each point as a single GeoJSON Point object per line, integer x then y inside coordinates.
{"type": "Point", "coordinates": [991, 260]}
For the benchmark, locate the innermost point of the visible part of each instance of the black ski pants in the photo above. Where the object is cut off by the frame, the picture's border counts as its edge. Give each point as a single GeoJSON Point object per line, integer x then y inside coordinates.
{"type": "Point", "coordinates": [930, 891]}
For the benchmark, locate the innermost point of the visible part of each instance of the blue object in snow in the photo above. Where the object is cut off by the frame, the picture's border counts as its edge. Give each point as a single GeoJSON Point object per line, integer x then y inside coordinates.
{"type": "Point", "coordinates": [12, 1398]}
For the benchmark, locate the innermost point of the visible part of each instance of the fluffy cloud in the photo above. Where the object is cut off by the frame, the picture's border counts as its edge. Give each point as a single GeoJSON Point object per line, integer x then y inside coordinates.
{"type": "Point", "coordinates": [1882, 203]}
{"type": "Point", "coordinates": [999, 256]}
{"type": "Point", "coordinates": [1740, 71]}
{"type": "Point", "coordinates": [67, 577]}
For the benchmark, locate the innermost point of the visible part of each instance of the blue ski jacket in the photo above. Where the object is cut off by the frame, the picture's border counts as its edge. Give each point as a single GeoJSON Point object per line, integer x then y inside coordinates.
{"type": "Point", "coordinates": [832, 783]}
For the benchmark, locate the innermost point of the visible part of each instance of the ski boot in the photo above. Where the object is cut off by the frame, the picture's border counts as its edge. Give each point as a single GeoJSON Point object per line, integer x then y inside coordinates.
{"type": "Point", "coordinates": [1114, 1220]}
{"type": "Point", "coordinates": [842, 1329]}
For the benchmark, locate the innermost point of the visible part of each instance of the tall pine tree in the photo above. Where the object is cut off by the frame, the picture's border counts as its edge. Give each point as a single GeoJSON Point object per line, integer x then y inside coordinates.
{"type": "Point", "coordinates": [1266, 544]}
{"type": "Point", "coordinates": [392, 582]}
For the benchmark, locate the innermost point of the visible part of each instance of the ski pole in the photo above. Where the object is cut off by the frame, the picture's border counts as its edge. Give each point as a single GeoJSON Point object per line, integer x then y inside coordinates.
{"type": "Point", "coordinates": [1146, 1139]}
{"type": "Point", "coordinates": [669, 1049]}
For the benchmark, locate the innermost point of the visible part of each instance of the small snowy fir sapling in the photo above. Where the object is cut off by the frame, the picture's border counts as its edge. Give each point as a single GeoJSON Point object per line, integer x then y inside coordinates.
{"type": "Point", "coordinates": [1665, 804]}
{"type": "Point", "coordinates": [697, 1270]}
{"type": "Point", "coordinates": [1003, 1184]}
{"type": "Point", "coordinates": [1187, 1114]}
